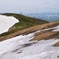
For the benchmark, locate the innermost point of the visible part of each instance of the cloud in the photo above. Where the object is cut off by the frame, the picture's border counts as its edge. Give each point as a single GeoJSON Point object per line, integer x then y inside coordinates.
{"type": "Point", "coordinates": [28, 5]}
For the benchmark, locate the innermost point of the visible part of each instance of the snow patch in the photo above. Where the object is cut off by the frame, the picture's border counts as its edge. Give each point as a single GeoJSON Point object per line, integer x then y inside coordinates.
{"type": "Point", "coordinates": [56, 28]}
{"type": "Point", "coordinates": [21, 48]}
{"type": "Point", "coordinates": [6, 22]}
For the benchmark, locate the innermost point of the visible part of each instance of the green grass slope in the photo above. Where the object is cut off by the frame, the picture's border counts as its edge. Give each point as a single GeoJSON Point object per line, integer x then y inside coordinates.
{"type": "Point", "coordinates": [24, 22]}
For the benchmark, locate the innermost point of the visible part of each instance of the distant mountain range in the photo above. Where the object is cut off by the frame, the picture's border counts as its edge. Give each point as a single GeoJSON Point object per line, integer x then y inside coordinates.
{"type": "Point", "coordinates": [45, 16]}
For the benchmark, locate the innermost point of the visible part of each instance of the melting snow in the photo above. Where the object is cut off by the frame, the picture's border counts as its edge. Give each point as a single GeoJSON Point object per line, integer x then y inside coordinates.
{"type": "Point", "coordinates": [21, 48]}
{"type": "Point", "coordinates": [6, 22]}
{"type": "Point", "coordinates": [56, 28]}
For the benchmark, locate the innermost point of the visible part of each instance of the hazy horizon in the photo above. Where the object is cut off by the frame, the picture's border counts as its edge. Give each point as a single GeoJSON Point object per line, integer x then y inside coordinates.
{"type": "Point", "coordinates": [17, 6]}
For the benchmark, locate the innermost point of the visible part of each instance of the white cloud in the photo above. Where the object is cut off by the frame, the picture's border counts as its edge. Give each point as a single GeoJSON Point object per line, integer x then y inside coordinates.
{"type": "Point", "coordinates": [29, 5]}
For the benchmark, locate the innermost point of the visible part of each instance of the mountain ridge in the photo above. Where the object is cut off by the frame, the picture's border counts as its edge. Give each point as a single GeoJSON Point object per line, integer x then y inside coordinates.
{"type": "Point", "coordinates": [24, 22]}
{"type": "Point", "coordinates": [36, 42]}
{"type": "Point", "coordinates": [42, 27]}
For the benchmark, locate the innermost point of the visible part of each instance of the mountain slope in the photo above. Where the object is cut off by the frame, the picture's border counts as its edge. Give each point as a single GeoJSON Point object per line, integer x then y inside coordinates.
{"type": "Point", "coordinates": [28, 47]}
{"type": "Point", "coordinates": [37, 42]}
{"type": "Point", "coordinates": [43, 33]}
{"type": "Point", "coordinates": [24, 22]}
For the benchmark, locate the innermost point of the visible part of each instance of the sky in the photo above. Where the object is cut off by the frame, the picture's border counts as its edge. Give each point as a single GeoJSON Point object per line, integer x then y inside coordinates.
{"type": "Point", "coordinates": [18, 6]}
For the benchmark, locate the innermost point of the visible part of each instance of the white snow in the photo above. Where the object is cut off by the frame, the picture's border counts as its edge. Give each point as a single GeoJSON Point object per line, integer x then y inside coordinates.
{"type": "Point", "coordinates": [6, 22]}
{"type": "Point", "coordinates": [21, 48]}
{"type": "Point", "coordinates": [56, 28]}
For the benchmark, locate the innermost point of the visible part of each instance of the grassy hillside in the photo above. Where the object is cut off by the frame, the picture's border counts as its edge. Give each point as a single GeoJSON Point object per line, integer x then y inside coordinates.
{"type": "Point", "coordinates": [24, 22]}
{"type": "Point", "coordinates": [40, 35]}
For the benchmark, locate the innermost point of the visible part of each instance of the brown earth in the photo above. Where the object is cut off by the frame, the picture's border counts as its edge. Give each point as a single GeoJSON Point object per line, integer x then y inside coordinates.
{"type": "Point", "coordinates": [38, 36]}
{"type": "Point", "coordinates": [56, 44]}
{"type": "Point", "coordinates": [46, 35]}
